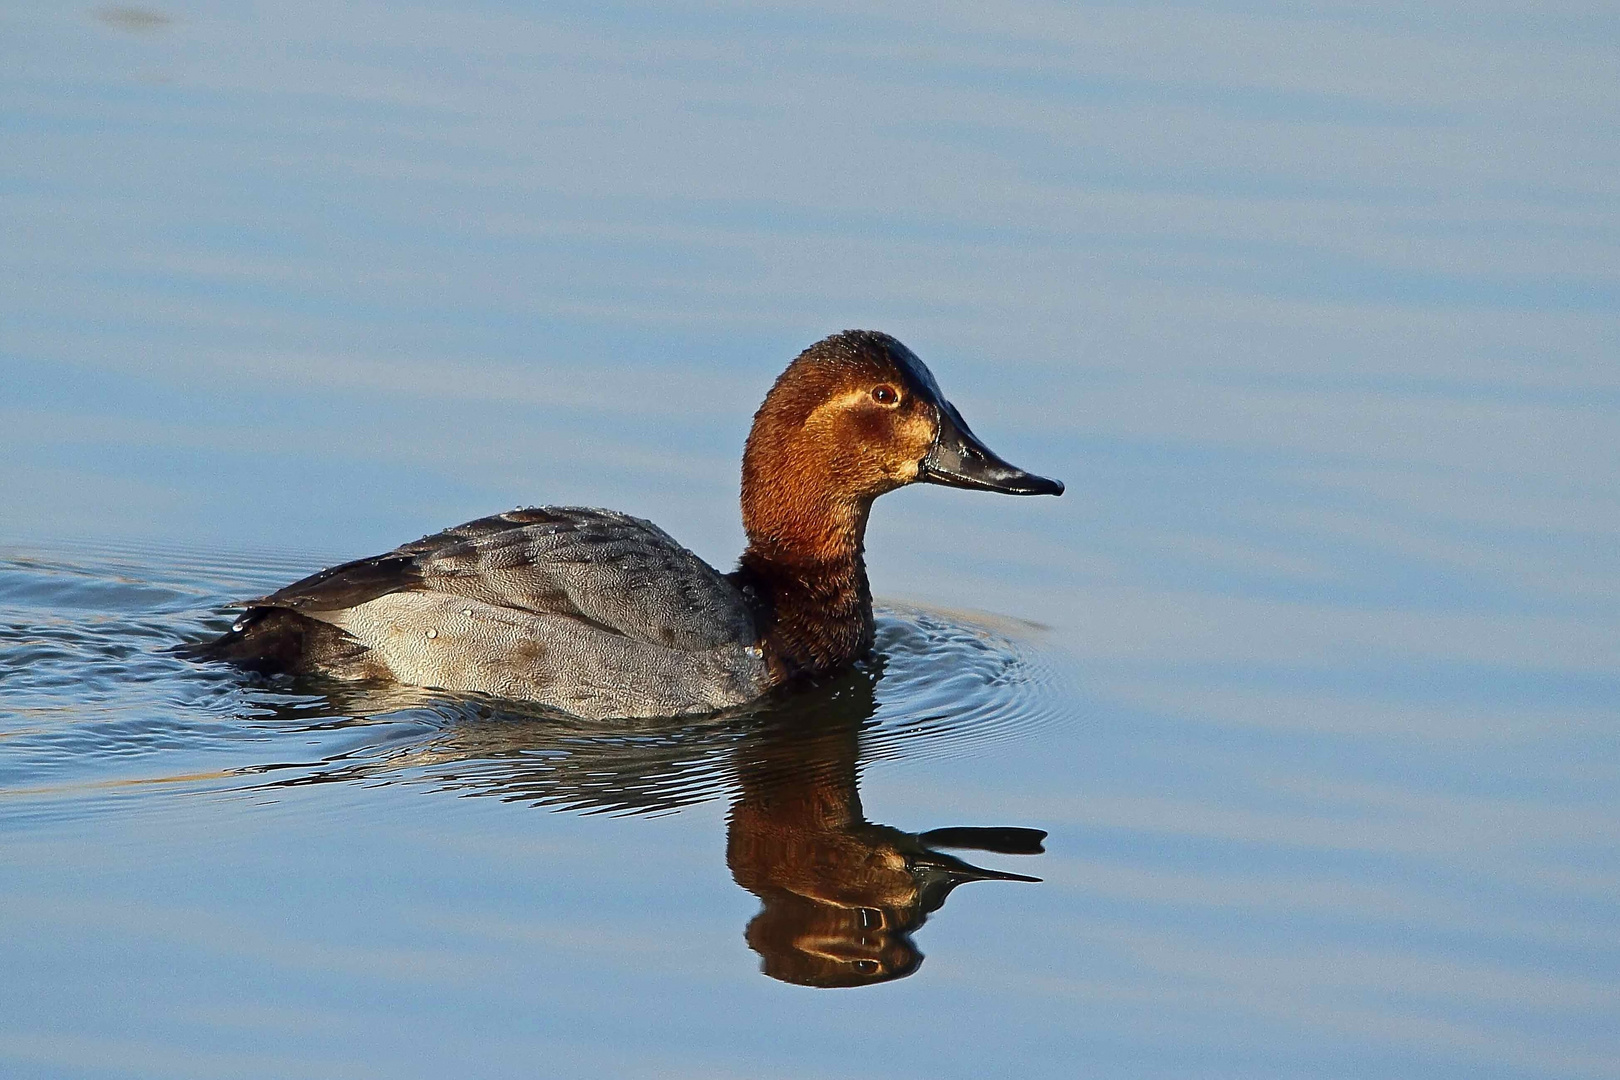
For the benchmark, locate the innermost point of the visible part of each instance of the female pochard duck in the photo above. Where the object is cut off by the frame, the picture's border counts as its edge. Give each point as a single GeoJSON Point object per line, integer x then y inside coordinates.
{"type": "Point", "coordinates": [604, 615]}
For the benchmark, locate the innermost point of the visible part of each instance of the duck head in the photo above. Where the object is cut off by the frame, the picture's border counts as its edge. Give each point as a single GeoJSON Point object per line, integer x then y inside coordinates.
{"type": "Point", "coordinates": [857, 414]}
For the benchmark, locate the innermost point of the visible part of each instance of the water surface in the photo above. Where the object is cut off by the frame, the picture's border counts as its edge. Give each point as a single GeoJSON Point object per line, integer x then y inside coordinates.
{"type": "Point", "coordinates": [1310, 679]}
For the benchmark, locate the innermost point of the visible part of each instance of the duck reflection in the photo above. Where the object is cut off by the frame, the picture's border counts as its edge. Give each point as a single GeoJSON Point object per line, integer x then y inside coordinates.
{"type": "Point", "coordinates": [840, 896]}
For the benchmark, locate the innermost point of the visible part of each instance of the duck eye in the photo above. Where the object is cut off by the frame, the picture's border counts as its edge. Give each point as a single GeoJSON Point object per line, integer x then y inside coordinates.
{"type": "Point", "coordinates": [885, 395]}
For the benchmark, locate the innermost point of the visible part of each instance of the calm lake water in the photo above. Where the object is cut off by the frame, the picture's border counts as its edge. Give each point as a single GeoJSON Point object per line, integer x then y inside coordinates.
{"type": "Point", "coordinates": [1301, 703]}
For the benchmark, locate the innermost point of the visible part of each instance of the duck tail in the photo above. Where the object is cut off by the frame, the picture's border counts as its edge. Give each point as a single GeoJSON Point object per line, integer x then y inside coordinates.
{"type": "Point", "coordinates": [273, 641]}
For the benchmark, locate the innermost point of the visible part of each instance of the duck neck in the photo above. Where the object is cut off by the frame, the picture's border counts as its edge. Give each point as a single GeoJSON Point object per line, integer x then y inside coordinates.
{"type": "Point", "coordinates": [806, 571]}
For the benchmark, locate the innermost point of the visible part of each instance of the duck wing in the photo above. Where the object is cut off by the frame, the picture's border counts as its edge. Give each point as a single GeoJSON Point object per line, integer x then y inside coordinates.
{"type": "Point", "coordinates": [605, 569]}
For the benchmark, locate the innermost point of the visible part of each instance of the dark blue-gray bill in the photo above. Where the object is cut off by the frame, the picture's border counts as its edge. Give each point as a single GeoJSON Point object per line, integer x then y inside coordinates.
{"type": "Point", "coordinates": [959, 459]}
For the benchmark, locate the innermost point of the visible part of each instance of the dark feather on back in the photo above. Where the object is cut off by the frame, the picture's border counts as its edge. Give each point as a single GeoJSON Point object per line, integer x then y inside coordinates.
{"type": "Point", "coordinates": [348, 585]}
{"type": "Point", "coordinates": [609, 570]}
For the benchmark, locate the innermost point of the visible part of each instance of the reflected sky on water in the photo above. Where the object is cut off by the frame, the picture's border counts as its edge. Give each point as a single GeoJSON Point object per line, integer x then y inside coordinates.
{"type": "Point", "coordinates": [1313, 311]}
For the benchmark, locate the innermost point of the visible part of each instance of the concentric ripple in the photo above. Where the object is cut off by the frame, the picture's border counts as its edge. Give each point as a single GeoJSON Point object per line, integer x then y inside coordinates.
{"type": "Point", "coordinates": [95, 709]}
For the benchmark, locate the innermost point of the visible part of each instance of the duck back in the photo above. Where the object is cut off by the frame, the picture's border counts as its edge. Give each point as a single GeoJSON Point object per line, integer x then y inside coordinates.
{"type": "Point", "coordinates": [594, 612]}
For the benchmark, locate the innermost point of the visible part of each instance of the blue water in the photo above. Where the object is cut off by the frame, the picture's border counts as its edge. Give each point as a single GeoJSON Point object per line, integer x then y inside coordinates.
{"type": "Point", "coordinates": [1311, 678]}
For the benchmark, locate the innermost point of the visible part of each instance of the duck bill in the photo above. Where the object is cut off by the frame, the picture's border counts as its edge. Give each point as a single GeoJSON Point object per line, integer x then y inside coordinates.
{"type": "Point", "coordinates": [959, 459]}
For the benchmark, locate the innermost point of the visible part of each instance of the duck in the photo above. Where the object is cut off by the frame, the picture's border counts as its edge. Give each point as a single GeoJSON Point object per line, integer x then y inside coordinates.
{"type": "Point", "coordinates": [601, 615]}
